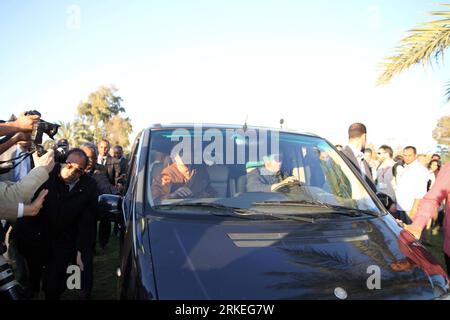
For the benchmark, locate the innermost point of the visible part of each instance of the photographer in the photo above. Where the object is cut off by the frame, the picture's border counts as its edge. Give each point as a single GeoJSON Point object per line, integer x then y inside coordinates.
{"type": "Point", "coordinates": [17, 130]}
{"type": "Point", "coordinates": [15, 197]}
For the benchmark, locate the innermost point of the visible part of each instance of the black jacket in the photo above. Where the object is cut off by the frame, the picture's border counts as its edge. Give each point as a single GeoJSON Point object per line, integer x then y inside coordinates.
{"type": "Point", "coordinates": [104, 186]}
{"type": "Point", "coordinates": [347, 151]}
{"type": "Point", "coordinates": [113, 169]}
{"type": "Point", "coordinates": [123, 165]}
{"type": "Point", "coordinates": [67, 218]}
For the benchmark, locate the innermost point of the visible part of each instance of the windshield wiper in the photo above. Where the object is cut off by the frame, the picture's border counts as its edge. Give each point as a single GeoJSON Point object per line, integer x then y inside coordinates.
{"type": "Point", "coordinates": [237, 212]}
{"type": "Point", "coordinates": [231, 211]}
{"type": "Point", "coordinates": [352, 212]}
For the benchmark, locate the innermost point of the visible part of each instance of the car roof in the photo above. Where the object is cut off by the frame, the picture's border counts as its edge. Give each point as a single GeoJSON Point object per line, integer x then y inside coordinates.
{"type": "Point", "coordinates": [174, 126]}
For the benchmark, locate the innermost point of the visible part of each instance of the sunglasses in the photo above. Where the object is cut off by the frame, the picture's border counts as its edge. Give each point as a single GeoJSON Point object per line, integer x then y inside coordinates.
{"type": "Point", "coordinates": [70, 166]}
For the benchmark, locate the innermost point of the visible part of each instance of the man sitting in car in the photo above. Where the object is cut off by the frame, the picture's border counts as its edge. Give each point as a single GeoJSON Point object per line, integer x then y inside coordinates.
{"type": "Point", "coordinates": [180, 180]}
{"type": "Point", "coordinates": [269, 177]}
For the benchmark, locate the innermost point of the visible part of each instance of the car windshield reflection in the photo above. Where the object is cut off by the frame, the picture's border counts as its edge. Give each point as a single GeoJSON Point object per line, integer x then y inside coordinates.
{"type": "Point", "coordinates": [240, 169]}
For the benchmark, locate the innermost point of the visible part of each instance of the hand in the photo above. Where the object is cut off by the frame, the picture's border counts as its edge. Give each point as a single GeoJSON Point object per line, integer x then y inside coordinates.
{"type": "Point", "coordinates": [22, 137]}
{"type": "Point", "coordinates": [183, 192]}
{"type": "Point", "coordinates": [120, 187]}
{"type": "Point", "coordinates": [415, 231]}
{"type": "Point", "coordinates": [289, 180]}
{"type": "Point", "coordinates": [286, 181]}
{"type": "Point", "coordinates": [47, 161]}
{"type": "Point", "coordinates": [402, 265]}
{"type": "Point", "coordinates": [393, 209]}
{"type": "Point", "coordinates": [80, 261]}
{"type": "Point", "coordinates": [25, 123]}
{"type": "Point", "coordinates": [33, 208]}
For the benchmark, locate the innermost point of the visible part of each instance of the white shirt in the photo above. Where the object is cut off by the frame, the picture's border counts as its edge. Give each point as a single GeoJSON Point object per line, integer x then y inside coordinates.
{"type": "Point", "coordinates": [71, 185]}
{"type": "Point", "coordinates": [411, 185]}
{"type": "Point", "coordinates": [101, 160]}
{"type": "Point", "coordinates": [359, 155]}
{"type": "Point", "coordinates": [432, 178]}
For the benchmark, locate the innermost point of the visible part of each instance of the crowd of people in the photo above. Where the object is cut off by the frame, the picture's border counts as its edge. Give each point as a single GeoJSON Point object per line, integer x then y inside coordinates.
{"type": "Point", "coordinates": [51, 217]}
{"type": "Point", "coordinates": [60, 227]}
{"type": "Point", "coordinates": [418, 190]}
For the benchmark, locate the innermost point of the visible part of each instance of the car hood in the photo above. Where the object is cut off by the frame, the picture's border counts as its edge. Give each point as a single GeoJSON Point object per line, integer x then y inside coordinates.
{"type": "Point", "coordinates": [225, 258]}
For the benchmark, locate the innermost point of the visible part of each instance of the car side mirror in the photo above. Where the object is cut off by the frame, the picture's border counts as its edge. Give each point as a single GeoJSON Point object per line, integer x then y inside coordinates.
{"type": "Point", "coordinates": [110, 205]}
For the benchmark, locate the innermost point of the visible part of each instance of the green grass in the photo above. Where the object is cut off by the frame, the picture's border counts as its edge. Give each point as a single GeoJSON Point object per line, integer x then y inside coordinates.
{"type": "Point", "coordinates": [105, 266]}
{"type": "Point", "coordinates": [105, 279]}
{"type": "Point", "coordinates": [435, 245]}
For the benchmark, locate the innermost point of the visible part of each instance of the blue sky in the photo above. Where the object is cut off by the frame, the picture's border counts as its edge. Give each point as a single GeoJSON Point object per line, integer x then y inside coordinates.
{"type": "Point", "coordinates": [312, 63]}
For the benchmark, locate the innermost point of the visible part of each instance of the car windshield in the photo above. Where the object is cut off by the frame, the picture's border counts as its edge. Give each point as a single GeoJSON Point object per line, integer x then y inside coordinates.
{"type": "Point", "coordinates": [249, 169]}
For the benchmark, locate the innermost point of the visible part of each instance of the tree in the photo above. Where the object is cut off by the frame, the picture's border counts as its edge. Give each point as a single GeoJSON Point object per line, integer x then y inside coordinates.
{"type": "Point", "coordinates": [442, 131]}
{"type": "Point", "coordinates": [67, 131]}
{"type": "Point", "coordinates": [75, 132]}
{"type": "Point", "coordinates": [99, 117]}
{"type": "Point", "coordinates": [423, 45]}
{"type": "Point", "coordinates": [118, 130]}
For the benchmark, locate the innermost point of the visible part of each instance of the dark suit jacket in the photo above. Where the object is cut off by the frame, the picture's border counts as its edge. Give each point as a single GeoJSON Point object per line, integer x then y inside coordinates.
{"type": "Point", "coordinates": [113, 169]}
{"type": "Point", "coordinates": [347, 151]}
{"type": "Point", "coordinates": [98, 172]}
{"type": "Point", "coordinates": [66, 220]}
{"type": "Point", "coordinates": [123, 164]}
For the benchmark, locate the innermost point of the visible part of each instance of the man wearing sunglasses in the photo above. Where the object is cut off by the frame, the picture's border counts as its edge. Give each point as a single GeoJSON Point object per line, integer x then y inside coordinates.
{"type": "Point", "coordinates": [50, 241]}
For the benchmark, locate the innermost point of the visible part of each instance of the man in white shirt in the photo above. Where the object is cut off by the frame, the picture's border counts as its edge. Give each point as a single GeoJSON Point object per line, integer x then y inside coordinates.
{"type": "Point", "coordinates": [411, 185]}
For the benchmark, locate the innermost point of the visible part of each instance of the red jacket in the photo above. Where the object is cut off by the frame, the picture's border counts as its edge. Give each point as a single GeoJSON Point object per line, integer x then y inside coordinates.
{"type": "Point", "coordinates": [429, 205]}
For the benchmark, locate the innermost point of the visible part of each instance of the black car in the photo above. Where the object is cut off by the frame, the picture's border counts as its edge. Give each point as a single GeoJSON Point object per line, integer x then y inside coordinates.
{"type": "Point", "coordinates": [232, 212]}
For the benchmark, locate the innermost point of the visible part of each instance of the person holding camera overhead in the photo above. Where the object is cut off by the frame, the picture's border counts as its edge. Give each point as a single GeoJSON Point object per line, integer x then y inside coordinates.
{"type": "Point", "coordinates": [15, 171]}
{"type": "Point", "coordinates": [16, 197]}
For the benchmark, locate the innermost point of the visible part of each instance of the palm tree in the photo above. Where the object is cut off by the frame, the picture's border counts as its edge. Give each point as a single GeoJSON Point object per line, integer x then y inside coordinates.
{"type": "Point", "coordinates": [75, 132]}
{"type": "Point", "coordinates": [423, 45]}
{"type": "Point", "coordinates": [65, 130]}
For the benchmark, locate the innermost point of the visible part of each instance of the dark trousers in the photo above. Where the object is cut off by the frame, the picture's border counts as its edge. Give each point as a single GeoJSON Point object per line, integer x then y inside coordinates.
{"type": "Point", "coordinates": [54, 280]}
{"type": "Point", "coordinates": [104, 232]}
{"type": "Point", "coordinates": [51, 271]}
{"type": "Point", "coordinates": [21, 269]}
{"type": "Point", "coordinates": [87, 276]}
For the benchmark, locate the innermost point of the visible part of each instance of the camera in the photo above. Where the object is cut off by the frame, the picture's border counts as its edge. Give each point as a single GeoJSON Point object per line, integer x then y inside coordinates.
{"type": "Point", "coordinates": [10, 289]}
{"type": "Point", "coordinates": [41, 127]}
{"type": "Point", "coordinates": [61, 149]}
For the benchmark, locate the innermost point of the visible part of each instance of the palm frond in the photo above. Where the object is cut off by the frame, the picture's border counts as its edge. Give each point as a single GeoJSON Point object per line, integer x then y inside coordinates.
{"type": "Point", "coordinates": [423, 45]}
{"type": "Point", "coordinates": [447, 91]}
